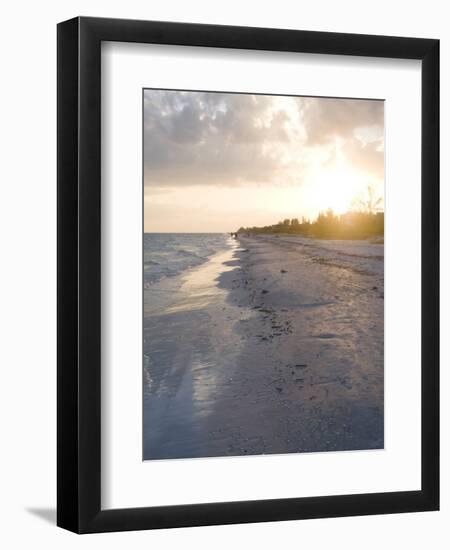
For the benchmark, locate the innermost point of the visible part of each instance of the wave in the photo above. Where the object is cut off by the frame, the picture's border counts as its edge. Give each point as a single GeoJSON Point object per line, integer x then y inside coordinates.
{"type": "Point", "coordinates": [167, 255]}
{"type": "Point", "coordinates": [188, 253]}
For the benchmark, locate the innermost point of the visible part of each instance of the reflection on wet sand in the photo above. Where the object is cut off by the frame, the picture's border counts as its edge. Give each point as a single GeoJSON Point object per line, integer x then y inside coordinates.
{"type": "Point", "coordinates": [275, 346]}
{"type": "Point", "coordinates": [199, 289]}
{"type": "Point", "coordinates": [190, 347]}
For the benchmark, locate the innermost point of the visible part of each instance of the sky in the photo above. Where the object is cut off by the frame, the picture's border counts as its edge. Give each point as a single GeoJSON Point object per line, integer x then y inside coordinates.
{"type": "Point", "coordinates": [214, 162]}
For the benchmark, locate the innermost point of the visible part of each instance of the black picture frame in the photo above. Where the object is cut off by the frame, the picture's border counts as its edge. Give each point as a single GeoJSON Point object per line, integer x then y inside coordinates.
{"type": "Point", "coordinates": [79, 280]}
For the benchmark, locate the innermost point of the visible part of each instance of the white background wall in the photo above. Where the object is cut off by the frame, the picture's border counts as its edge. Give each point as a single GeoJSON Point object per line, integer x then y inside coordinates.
{"type": "Point", "coordinates": [28, 270]}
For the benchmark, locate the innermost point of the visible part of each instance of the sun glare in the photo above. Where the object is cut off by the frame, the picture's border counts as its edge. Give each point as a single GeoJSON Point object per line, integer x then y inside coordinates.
{"type": "Point", "coordinates": [335, 189]}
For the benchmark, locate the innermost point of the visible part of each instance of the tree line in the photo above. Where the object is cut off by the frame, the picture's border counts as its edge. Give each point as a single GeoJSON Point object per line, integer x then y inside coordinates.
{"type": "Point", "coordinates": [365, 221]}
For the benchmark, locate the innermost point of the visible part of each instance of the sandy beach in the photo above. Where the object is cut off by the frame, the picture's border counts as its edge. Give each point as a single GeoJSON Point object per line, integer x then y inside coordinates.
{"type": "Point", "coordinates": [272, 346]}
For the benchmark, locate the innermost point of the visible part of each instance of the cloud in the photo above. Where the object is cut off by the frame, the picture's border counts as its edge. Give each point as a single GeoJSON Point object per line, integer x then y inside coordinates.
{"type": "Point", "coordinates": [327, 118]}
{"type": "Point", "coordinates": [356, 127]}
{"type": "Point", "coordinates": [211, 138]}
{"type": "Point", "coordinates": [367, 157]}
{"type": "Point", "coordinates": [204, 138]}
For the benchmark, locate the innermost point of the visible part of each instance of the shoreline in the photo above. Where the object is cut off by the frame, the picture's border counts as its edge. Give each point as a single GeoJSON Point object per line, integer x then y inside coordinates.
{"type": "Point", "coordinates": [285, 358]}
{"type": "Point", "coordinates": [187, 284]}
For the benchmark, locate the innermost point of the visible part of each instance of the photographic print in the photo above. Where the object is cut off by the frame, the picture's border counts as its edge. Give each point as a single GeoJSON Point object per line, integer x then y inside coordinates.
{"type": "Point", "coordinates": [257, 271]}
{"type": "Point", "coordinates": [263, 274]}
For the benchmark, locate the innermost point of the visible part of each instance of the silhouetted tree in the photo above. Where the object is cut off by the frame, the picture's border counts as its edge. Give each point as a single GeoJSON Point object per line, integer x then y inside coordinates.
{"type": "Point", "coordinates": [368, 202]}
{"type": "Point", "coordinates": [362, 223]}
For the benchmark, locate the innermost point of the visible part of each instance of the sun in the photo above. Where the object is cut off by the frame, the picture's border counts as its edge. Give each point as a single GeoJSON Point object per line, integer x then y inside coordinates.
{"type": "Point", "coordinates": [334, 189]}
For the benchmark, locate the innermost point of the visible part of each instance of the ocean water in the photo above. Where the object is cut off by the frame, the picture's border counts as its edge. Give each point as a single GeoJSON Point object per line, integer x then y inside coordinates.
{"type": "Point", "coordinates": [169, 254]}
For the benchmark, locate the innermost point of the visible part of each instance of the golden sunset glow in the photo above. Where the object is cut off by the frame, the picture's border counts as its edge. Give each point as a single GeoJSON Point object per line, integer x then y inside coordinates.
{"type": "Point", "coordinates": [215, 161]}
{"type": "Point", "coordinates": [336, 189]}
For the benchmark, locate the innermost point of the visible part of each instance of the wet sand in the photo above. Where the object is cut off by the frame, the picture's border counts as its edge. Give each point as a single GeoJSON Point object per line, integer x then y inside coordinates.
{"type": "Point", "coordinates": [273, 347]}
